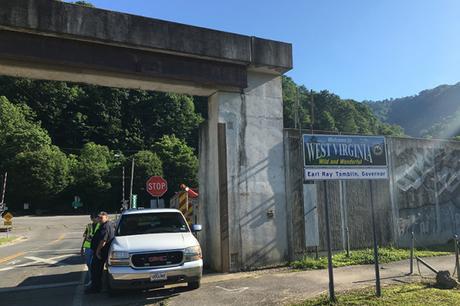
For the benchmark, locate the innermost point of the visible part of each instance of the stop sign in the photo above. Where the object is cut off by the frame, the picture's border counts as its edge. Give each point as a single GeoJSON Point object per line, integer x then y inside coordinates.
{"type": "Point", "coordinates": [157, 186]}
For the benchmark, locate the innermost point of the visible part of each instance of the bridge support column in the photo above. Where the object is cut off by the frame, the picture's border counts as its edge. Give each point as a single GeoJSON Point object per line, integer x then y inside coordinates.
{"type": "Point", "coordinates": [242, 178]}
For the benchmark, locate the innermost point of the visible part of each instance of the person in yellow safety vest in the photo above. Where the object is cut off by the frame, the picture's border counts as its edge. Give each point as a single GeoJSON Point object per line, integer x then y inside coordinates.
{"type": "Point", "coordinates": [90, 230]}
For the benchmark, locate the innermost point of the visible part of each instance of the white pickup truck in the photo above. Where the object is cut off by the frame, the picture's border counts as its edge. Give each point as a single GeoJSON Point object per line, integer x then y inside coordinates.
{"type": "Point", "coordinates": [153, 248]}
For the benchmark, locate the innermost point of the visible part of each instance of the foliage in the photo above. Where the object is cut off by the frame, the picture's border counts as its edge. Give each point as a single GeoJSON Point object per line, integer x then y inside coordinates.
{"type": "Point", "coordinates": [362, 257]}
{"type": "Point", "coordinates": [447, 127]}
{"type": "Point", "coordinates": [409, 294]}
{"type": "Point", "coordinates": [91, 172]}
{"type": "Point", "coordinates": [425, 114]}
{"type": "Point", "coordinates": [180, 163]}
{"type": "Point", "coordinates": [122, 119]}
{"type": "Point", "coordinates": [17, 132]}
{"type": "Point", "coordinates": [36, 176]}
{"type": "Point", "coordinates": [4, 240]}
{"type": "Point", "coordinates": [147, 164]}
{"type": "Point", "coordinates": [330, 113]}
{"type": "Point", "coordinates": [84, 3]}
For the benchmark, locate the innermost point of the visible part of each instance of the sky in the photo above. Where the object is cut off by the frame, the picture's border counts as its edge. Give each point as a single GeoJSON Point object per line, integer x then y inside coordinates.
{"type": "Point", "coordinates": [358, 49]}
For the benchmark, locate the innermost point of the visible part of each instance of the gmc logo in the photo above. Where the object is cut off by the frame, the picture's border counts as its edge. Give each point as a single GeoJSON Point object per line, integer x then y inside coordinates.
{"type": "Point", "coordinates": [157, 258]}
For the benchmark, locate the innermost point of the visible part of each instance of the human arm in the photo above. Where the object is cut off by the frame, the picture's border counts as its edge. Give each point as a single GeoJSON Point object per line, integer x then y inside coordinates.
{"type": "Point", "coordinates": [83, 242]}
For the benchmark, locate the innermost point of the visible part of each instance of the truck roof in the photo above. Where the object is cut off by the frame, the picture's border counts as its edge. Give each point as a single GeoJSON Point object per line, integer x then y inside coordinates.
{"type": "Point", "coordinates": [150, 210]}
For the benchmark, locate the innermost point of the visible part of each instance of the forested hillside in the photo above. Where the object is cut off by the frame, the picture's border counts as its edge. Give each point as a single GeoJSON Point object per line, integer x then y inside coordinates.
{"type": "Point", "coordinates": [432, 113]}
{"type": "Point", "coordinates": [330, 112]}
{"type": "Point", "coordinates": [59, 139]}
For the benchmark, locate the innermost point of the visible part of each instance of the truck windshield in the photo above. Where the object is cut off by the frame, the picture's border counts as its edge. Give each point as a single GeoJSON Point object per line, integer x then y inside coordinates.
{"type": "Point", "coordinates": [151, 223]}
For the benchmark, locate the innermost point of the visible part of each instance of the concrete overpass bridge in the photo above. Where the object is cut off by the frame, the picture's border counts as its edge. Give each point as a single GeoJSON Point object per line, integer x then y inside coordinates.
{"type": "Point", "coordinates": [242, 168]}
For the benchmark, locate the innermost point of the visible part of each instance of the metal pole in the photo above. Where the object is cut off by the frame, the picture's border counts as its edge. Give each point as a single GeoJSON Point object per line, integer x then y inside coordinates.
{"type": "Point", "coordinates": [412, 247]}
{"type": "Point", "coordinates": [123, 187]}
{"type": "Point", "coordinates": [457, 263]}
{"type": "Point", "coordinates": [347, 232]}
{"type": "Point", "coordinates": [312, 115]}
{"type": "Point", "coordinates": [329, 249]}
{"type": "Point", "coordinates": [378, 291]}
{"type": "Point", "coordinates": [131, 185]}
{"type": "Point", "coordinates": [427, 265]}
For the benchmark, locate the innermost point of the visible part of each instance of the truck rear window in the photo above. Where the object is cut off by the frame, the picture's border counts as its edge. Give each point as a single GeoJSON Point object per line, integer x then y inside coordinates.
{"type": "Point", "coordinates": [151, 223]}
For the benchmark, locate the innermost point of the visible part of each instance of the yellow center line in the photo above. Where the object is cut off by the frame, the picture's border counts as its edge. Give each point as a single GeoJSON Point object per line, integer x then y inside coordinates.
{"type": "Point", "coordinates": [57, 240]}
{"type": "Point", "coordinates": [2, 260]}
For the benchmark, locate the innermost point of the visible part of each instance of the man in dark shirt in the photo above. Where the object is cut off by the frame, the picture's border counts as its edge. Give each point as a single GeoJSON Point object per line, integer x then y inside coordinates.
{"type": "Point", "coordinates": [100, 245]}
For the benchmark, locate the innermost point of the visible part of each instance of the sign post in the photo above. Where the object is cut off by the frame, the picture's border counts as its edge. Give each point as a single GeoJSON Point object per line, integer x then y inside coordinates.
{"type": "Point", "coordinates": [134, 201]}
{"type": "Point", "coordinates": [378, 290]}
{"type": "Point", "coordinates": [340, 157]}
{"type": "Point", "coordinates": [8, 222]}
{"type": "Point", "coordinates": [77, 203]}
{"type": "Point", "coordinates": [330, 267]}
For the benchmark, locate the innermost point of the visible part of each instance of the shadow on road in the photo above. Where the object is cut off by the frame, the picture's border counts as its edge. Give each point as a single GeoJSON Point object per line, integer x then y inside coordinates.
{"type": "Point", "coordinates": [56, 279]}
{"type": "Point", "coordinates": [134, 297]}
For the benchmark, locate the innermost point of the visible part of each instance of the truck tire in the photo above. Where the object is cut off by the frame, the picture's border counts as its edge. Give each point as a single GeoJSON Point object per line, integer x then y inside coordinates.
{"type": "Point", "coordinates": [194, 285]}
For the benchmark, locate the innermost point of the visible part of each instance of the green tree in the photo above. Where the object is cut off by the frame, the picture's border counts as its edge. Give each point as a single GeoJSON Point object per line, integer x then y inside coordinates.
{"type": "Point", "coordinates": [180, 165]}
{"type": "Point", "coordinates": [91, 173]}
{"type": "Point", "coordinates": [17, 132]}
{"type": "Point", "coordinates": [38, 176]}
{"type": "Point", "coordinates": [147, 164]}
{"type": "Point", "coordinates": [84, 3]}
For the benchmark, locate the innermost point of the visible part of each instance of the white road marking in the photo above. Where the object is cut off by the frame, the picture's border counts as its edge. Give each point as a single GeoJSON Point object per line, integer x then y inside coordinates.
{"type": "Point", "coordinates": [42, 260]}
{"type": "Point", "coordinates": [35, 260]}
{"type": "Point", "coordinates": [56, 250]}
{"type": "Point", "coordinates": [237, 290]}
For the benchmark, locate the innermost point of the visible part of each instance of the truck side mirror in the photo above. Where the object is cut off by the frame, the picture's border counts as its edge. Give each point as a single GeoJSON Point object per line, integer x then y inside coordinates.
{"type": "Point", "coordinates": [196, 228]}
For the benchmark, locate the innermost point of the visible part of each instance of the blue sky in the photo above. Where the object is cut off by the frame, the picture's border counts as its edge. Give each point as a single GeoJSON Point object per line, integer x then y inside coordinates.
{"type": "Point", "coordinates": [359, 49]}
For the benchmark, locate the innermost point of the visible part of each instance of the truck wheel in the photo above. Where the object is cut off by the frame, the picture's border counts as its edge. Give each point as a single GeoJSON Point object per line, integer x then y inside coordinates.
{"type": "Point", "coordinates": [193, 285]}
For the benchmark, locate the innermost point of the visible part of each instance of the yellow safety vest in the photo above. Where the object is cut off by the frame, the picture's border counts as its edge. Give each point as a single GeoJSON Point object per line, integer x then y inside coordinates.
{"type": "Point", "coordinates": [89, 233]}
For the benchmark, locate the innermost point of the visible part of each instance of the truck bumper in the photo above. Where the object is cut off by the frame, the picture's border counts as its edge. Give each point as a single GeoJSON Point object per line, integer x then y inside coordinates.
{"type": "Point", "coordinates": [129, 278]}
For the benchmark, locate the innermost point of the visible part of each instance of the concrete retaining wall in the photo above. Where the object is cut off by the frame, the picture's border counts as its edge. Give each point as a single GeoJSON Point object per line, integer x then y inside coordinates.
{"type": "Point", "coordinates": [422, 195]}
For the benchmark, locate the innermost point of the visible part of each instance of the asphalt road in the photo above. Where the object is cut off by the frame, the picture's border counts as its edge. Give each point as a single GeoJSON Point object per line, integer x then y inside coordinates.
{"type": "Point", "coordinates": [46, 269]}
{"type": "Point", "coordinates": [47, 258]}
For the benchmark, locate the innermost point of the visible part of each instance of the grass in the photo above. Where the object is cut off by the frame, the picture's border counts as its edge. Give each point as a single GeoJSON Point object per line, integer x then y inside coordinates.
{"type": "Point", "coordinates": [416, 294]}
{"type": "Point", "coordinates": [364, 257]}
{"type": "Point", "coordinates": [6, 240]}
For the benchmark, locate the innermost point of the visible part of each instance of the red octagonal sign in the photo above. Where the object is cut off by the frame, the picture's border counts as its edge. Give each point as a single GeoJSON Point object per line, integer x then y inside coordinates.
{"type": "Point", "coordinates": [157, 186]}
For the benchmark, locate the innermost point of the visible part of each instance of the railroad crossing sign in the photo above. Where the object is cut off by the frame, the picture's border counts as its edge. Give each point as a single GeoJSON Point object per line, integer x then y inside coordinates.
{"type": "Point", "coordinates": [156, 186]}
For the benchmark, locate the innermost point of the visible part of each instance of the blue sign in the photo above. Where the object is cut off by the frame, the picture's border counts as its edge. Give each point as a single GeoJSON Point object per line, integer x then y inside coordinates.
{"type": "Point", "coordinates": [337, 157]}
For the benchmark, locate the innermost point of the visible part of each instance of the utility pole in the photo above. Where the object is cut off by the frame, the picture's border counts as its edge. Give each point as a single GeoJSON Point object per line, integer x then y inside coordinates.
{"type": "Point", "coordinates": [131, 187]}
{"type": "Point", "coordinates": [2, 202]}
{"type": "Point", "coordinates": [4, 188]}
{"type": "Point", "coordinates": [123, 189]}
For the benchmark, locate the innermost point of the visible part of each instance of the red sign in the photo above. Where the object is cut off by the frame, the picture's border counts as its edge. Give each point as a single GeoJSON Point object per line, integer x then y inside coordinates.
{"type": "Point", "coordinates": [157, 186]}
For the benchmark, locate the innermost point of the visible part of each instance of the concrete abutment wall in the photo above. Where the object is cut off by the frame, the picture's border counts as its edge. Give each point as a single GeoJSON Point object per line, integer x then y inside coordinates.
{"type": "Point", "coordinates": [257, 224]}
